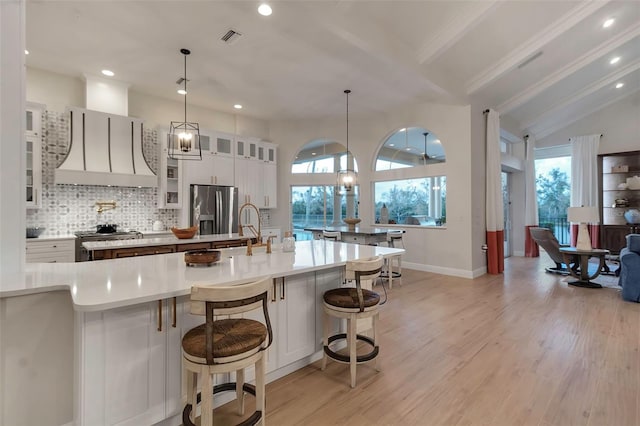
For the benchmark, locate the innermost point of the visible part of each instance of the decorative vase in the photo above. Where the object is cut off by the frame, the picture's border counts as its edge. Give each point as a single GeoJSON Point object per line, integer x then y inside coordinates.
{"type": "Point", "coordinates": [632, 216]}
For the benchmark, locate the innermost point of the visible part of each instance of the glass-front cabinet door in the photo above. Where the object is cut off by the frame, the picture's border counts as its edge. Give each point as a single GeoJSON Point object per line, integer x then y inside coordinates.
{"type": "Point", "coordinates": [33, 147]}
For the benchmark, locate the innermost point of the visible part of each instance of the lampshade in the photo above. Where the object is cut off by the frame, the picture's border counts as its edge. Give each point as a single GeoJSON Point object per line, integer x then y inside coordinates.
{"type": "Point", "coordinates": [583, 215]}
{"type": "Point", "coordinates": [347, 177]}
{"type": "Point", "coordinates": [184, 136]}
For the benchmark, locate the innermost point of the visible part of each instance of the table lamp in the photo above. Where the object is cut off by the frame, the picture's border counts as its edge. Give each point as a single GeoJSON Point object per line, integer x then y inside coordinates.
{"type": "Point", "coordinates": [583, 215]}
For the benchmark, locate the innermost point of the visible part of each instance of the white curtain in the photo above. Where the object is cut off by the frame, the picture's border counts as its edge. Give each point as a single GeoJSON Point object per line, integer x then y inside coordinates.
{"type": "Point", "coordinates": [584, 170]}
{"type": "Point", "coordinates": [584, 181]}
{"type": "Point", "coordinates": [530, 198]}
{"type": "Point", "coordinates": [494, 202]}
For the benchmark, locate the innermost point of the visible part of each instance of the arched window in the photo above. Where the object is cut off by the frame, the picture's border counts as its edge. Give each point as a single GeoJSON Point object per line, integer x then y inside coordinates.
{"type": "Point", "coordinates": [410, 147]}
{"type": "Point", "coordinates": [414, 200]}
{"type": "Point", "coordinates": [321, 156]}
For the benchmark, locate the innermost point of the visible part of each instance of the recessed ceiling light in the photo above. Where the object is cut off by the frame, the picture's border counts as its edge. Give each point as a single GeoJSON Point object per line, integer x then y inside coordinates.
{"type": "Point", "coordinates": [402, 130]}
{"type": "Point", "coordinates": [182, 91]}
{"type": "Point", "coordinates": [237, 106]}
{"type": "Point", "coordinates": [108, 73]}
{"type": "Point", "coordinates": [392, 144]}
{"type": "Point", "coordinates": [313, 153]}
{"type": "Point", "coordinates": [615, 60]}
{"type": "Point", "coordinates": [609, 22]}
{"type": "Point", "coordinates": [26, 52]}
{"type": "Point", "coordinates": [437, 141]}
{"type": "Point", "coordinates": [264, 9]}
{"type": "Point", "coordinates": [619, 85]}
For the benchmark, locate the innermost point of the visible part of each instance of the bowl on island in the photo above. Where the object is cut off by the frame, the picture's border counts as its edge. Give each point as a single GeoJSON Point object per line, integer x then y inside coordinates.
{"type": "Point", "coordinates": [352, 222]}
{"type": "Point", "coordinates": [185, 233]}
{"type": "Point", "coordinates": [204, 257]}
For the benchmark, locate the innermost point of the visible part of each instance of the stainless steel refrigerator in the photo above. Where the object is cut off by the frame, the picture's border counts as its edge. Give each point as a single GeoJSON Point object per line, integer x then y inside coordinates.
{"type": "Point", "coordinates": [214, 208]}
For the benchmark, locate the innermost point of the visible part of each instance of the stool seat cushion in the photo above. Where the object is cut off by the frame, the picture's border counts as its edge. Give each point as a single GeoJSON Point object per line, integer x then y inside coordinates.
{"type": "Point", "coordinates": [230, 337]}
{"type": "Point", "coordinates": [347, 297]}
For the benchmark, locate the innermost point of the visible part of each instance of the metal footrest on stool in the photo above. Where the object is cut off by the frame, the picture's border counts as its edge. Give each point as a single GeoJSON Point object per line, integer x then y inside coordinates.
{"type": "Point", "coordinates": [224, 387]}
{"type": "Point", "coordinates": [394, 274]}
{"type": "Point", "coordinates": [345, 358]}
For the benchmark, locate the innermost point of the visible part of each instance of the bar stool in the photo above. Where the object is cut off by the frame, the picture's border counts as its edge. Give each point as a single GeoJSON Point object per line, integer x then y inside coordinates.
{"type": "Point", "coordinates": [332, 235]}
{"type": "Point", "coordinates": [353, 304]}
{"type": "Point", "coordinates": [226, 345]}
{"type": "Point", "coordinates": [394, 240]}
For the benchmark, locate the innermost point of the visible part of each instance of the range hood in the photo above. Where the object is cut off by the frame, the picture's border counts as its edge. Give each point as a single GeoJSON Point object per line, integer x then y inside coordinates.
{"type": "Point", "coordinates": [104, 148]}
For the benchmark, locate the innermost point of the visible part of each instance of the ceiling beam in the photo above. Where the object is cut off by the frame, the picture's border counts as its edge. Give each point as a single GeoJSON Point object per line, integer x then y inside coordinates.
{"type": "Point", "coordinates": [454, 29]}
{"type": "Point", "coordinates": [591, 88]}
{"type": "Point", "coordinates": [534, 44]}
{"type": "Point", "coordinates": [584, 60]}
{"type": "Point", "coordinates": [544, 132]}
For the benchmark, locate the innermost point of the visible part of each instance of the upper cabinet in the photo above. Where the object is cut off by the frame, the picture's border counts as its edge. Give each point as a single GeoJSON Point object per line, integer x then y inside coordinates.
{"type": "Point", "coordinates": [169, 176]}
{"type": "Point", "coordinates": [33, 137]}
{"type": "Point", "coordinates": [222, 145]}
{"type": "Point", "coordinates": [247, 148]}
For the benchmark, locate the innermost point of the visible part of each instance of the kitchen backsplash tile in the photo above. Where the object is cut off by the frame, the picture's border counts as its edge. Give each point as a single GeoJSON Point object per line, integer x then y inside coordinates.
{"type": "Point", "coordinates": [70, 208]}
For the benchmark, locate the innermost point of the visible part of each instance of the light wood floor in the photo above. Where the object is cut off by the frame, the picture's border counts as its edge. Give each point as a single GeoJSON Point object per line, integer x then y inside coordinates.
{"type": "Point", "coordinates": [522, 348]}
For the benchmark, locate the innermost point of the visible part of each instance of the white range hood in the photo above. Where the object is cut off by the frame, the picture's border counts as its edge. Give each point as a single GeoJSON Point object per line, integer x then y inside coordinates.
{"type": "Point", "coordinates": [105, 148]}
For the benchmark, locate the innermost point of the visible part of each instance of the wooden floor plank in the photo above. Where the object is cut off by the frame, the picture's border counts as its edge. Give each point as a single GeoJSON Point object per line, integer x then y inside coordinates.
{"type": "Point", "coordinates": [521, 348]}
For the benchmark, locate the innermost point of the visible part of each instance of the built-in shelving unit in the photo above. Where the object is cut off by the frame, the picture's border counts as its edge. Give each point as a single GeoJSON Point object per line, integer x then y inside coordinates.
{"type": "Point", "coordinates": [616, 198]}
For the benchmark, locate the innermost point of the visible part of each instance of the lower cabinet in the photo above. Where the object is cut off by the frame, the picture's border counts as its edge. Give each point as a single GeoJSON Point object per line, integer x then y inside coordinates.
{"type": "Point", "coordinates": [129, 360]}
{"type": "Point", "coordinates": [614, 236]}
{"type": "Point", "coordinates": [50, 251]}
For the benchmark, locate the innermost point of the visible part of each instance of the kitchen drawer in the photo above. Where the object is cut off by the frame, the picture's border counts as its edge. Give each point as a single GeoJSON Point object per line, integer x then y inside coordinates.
{"type": "Point", "coordinates": [142, 251]}
{"type": "Point", "coordinates": [50, 251]}
{"type": "Point", "coordinates": [229, 243]}
{"type": "Point", "coordinates": [193, 246]}
{"type": "Point", "coordinates": [354, 239]}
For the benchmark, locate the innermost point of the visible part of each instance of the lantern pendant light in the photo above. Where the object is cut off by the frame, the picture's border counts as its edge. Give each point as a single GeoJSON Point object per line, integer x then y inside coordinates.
{"type": "Point", "coordinates": [347, 177]}
{"type": "Point", "coordinates": [184, 136]}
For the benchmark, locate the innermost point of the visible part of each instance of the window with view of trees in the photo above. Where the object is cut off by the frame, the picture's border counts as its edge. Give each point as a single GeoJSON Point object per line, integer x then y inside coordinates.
{"type": "Point", "coordinates": [313, 206]}
{"type": "Point", "coordinates": [419, 201]}
{"type": "Point", "coordinates": [553, 186]}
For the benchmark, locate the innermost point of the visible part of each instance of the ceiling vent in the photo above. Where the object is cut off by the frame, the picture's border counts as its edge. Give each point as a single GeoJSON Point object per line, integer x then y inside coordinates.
{"type": "Point", "coordinates": [231, 37]}
{"type": "Point", "coordinates": [530, 59]}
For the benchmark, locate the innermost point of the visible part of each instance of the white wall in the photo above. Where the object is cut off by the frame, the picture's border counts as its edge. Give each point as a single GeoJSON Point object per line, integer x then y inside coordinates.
{"type": "Point", "coordinates": [619, 123]}
{"type": "Point", "coordinates": [442, 250]}
{"type": "Point", "coordinates": [58, 91]}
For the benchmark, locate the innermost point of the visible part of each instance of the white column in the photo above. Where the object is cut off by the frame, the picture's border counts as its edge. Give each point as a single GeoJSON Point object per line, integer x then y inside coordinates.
{"type": "Point", "coordinates": [12, 142]}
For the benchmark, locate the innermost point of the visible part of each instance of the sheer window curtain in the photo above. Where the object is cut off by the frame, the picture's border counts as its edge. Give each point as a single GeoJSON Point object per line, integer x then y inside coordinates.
{"type": "Point", "coordinates": [584, 181]}
{"type": "Point", "coordinates": [530, 199]}
{"type": "Point", "coordinates": [494, 202]}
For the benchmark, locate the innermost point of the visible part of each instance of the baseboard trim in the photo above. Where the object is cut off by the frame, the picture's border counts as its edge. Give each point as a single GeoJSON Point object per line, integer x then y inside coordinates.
{"type": "Point", "coordinates": [445, 271]}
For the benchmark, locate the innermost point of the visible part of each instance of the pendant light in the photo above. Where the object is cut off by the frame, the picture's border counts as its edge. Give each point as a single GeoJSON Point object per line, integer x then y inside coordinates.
{"type": "Point", "coordinates": [347, 177]}
{"type": "Point", "coordinates": [425, 156]}
{"type": "Point", "coordinates": [184, 137]}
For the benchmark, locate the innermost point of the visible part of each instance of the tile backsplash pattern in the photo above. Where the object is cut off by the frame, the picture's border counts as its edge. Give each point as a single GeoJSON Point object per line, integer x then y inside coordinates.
{"type": "Point", "coordinates": [66, 209]}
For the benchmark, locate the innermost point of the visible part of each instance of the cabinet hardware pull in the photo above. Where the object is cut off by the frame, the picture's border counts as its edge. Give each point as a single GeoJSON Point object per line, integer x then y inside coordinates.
{"type": "Point", "coordinates": [159, 315]}
{"type": "Point", "coordinates": [273, 295]}
{"type": "Point", "coordinates": [282, 294]}
{"type": "Point", "coordinates": [174, 313]}
{"type": "Point", "coordinates": [55, 246]}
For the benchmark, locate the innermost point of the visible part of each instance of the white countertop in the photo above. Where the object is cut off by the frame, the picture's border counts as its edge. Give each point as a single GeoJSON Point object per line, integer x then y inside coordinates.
{"type": "Point", "coordinates": [158, 241]}
{"type": "Point", "coordinates": [53, 237]}
{"type": "Point", "coordinates": [113, 283]}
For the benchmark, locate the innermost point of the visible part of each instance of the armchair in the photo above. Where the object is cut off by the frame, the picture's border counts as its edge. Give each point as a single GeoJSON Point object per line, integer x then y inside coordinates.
{"type": "Point", "coordinates": [630, 269]}
{"type": "Point", "coordinates": [545, 239]}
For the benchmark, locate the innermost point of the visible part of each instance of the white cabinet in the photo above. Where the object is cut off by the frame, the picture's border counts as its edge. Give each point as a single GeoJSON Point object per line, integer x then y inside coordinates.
{"type": "Point", "coordinates": [50, 250]}
{"type": "Point", "coordinates": [122, 372]}
{"type": "Point", "coordinates": [222, 145]}
{"type": "Point", "coordinates": [296, 318]}
{"type": "Point", "coordinates": [212, 170]}
{"type": "Point", "coordinates": [326, 280]}
{"type": "Point", "coordinates": [169, 178]}
{"type": "Point", "coordinates": [33, 136]}
{"type": "Point", "coordinates": [247, 147]}
{"type": "Point", "coordinates": [268, 152]}
{"type": "Point", "coordinates": [270, 185]}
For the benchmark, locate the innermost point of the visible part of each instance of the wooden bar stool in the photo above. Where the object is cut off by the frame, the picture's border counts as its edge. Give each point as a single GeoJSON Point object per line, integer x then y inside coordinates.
{"type": "Point", "coordinates": [226, 345]}
{"type": "Point", "coordinates": [332, 235]}
{"type": "Point", "coordinates": [353, 304]}
{"type": "Point", "coordinates": [391, 271]}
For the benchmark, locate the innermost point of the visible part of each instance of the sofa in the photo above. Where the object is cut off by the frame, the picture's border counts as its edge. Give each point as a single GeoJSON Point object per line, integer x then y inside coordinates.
{"type": "Point", "coordinates": [630, 269]}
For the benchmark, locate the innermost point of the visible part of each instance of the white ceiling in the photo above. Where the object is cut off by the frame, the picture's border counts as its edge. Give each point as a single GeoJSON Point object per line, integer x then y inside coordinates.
{"type": "Point", "coordinates": [297, 62]}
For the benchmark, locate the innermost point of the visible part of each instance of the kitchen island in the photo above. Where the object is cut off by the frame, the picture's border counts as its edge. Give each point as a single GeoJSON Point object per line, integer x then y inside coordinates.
{"type": "Point", "coordinates": [129, 316]}
{"type": "Point", "coordinates": [115, 249]}
{"type": "Point", "coordinates": [359, 235]}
